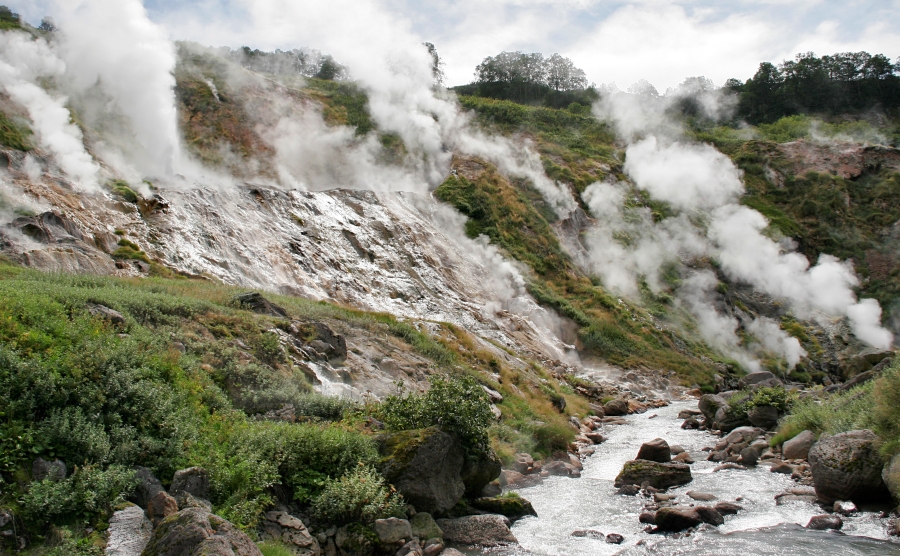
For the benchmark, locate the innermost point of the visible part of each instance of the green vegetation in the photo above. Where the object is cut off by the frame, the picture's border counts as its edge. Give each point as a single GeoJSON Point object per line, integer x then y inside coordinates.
{"type": "Point", "coordinates": [13, 134]}
{"type": "Point", "coordinates": [122, 189]}
{"type": "Point", "coordinates": [9, 20]}
{"type": "Point", "coordinates": [360, 496]}
{"type": "Point", "coordinates": [874, 405]}
{"type": "Point", "coordinates": [456, 405]}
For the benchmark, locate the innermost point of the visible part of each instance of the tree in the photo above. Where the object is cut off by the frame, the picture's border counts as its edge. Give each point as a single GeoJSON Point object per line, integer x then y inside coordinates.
{"type": "Point", "coordinates": [47, 24]}
{"type": "Point", "coordinates": [562, 75]}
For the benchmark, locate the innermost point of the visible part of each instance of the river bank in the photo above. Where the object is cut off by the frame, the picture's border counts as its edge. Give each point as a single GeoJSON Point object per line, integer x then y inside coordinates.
{"type": "Point", "coordinates": [589, 503]}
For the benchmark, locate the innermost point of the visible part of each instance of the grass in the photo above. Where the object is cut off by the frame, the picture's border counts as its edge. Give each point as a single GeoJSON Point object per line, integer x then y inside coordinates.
{"type": "Point", "coordinates": [13, 134]}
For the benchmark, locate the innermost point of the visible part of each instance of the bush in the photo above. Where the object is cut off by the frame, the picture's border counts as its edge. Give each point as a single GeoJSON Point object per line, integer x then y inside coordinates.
{"type": "Point", "coordinates": [360, 496]}
{"type": "Point", "coordinates": [456, 405]}
{"type": "Point", "coordinates": [551, 438]}
{"type": "Point", "coordinates": [89, 491]}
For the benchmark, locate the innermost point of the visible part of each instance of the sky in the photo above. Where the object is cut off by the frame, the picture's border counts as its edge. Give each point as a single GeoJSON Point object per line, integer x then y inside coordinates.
{"type": "Point", "coordinates": [662, 41]}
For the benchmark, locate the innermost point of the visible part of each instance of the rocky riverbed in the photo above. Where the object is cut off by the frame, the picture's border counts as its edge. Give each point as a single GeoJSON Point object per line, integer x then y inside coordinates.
{"type": "Point", "coordinates": [577, 515]}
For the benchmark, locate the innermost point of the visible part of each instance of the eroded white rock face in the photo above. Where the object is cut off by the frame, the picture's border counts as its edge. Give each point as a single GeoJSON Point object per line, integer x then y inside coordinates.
{"type": "Point", "coordinates": [399, 253]}
{"type": "Point", "coordinates": [129, 532]}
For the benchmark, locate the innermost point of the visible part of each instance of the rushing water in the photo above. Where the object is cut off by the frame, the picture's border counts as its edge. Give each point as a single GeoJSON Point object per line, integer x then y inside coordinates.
{"type": "Point", "coordinates": [564, 505]}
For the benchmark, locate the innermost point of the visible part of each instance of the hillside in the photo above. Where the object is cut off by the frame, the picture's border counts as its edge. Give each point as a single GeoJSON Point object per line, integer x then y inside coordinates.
{"type": "Point", "coordinates": [492, 270]}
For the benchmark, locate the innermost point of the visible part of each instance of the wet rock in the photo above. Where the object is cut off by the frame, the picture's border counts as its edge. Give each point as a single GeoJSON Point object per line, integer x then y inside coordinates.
{"type": "Point", "coordinates": [727, 466]}
{"type": "Point", "coordinates": [798, 447]}
{"type": "Point", "coordinates": [710, 515]}
{"type": "Point", "coordinates": [425, 466]}
{"type": "Point", "coordinates": [513, 507]}
{"type": "Point", "coordinates": [677, 519]}
{"type": "Point", "coordinates": [562, 469]}
{"type": "Point", "coordinates": [675, 449]}
{"type": "Point", "coordinates": [709, 404]}
{"type": "Point", "coordinates": [595, 437]}
{"type": "Point", "coordinates": [392, 530]}
{"type": "Point", "coordinates": [254, 301]}
{"type": "Point", "coordinates": [749, 456]}
{"type": "Point", "coordinates": [683, 457]}
{"type": "Point", "coordinates": [690, 424]}
{"type": "Point", "coordinates": [161, 506]}
{"type": "Point", "coordinates": [193, 480]}
{"type": "Point", "coordinates": [648, 517]}
{"type": "Point", "coordinates": [104, 312]}
{"type": "Point", "coordinates": [615, 408]}
{"type": "Point", "coordinates": [688, 413]}
{"type": "Point", "coordinates": [587, 533]}
{"type": "Point", "coordinates": [824, 522]}
{"type": "Point", "coordinates": [629, 490]}
{"type": "Point", "coordinates": [514, 479]}
{"type": "Point", "coordinates": [423, 526]}
{"type": "Point", "coordinates": [844, 507]}
{"type": "Point", "coordinates": [434, 546]}
{"type": "Point", "coordinates": [53, 470]}
{"type": "Point", "coordinates": [657, 475]}
{"type": "Point", "coordinates": [700, 496]}
{"type": "Point", "coordinates": [783, 468]}
{"type": "Point", "coordinates": [663, 497]}
{"type": "Point", "coordinates": [194, 532]}
{"type": "Point", "coordinates": [523, 463]}
{"type": "Point", "coordinates": [148, 486]}
{"type": "Point", "coordinates": [847, 466]}
{"type": "Point", "coordinates": [484, 530]}
{"type": "Point", "coordinates": [129, 532]}
{"type": "Point", "coordinates": [763, 416]}
{"type": "Point", "coordinates": [614, 538]}
{"type": "Point", "coordinates": [727, 508]}
{"type": "Point", "coordinates": [656, 450]}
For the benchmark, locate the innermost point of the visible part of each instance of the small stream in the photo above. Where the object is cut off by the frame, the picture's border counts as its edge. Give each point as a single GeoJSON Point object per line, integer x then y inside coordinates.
{"type": "Point", "coordinates": [564, 505]}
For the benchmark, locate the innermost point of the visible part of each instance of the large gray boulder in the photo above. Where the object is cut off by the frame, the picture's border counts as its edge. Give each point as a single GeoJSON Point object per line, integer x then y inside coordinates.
{"type": "Point", "coordinates": [196, 532]}
{"type": "Point", "coordinates": [484, 530]}
{"type": "Point", "coordinates": [424, 527]}
{"type": "Point", "coordinates": [193, 480]}
{"type": "Point", "coordinates": [763, 416]}
{"type": "Point", "coordinates": [709, 404]}
{"type": "Point", "coordinates": [615, 408]}
{"type": "Point", "coordinates": [658, 475]}
{"type": "Point", "coordinates": [760, 379]}
{"type": "Point", "coordinates": [847, 466]}
{"type": "Point", "coordinates": [891, 476]}
{"type": "Point", "coordinates": [478, 472]}
{"type": "Point", "coordinates": [655, 450]}
{"type": "Point", "coordinates": [392, 530]}
{"type": "Point", "coordinates": [148, 486]}
{"type": "Point", "coordinates": [426, 466]}
{"type": "Point", "coordinates": [799, 446]}
{"type": "Point", "coordinates": [864, 361]}
{"type": "Point", "coordinates": [129, 532]}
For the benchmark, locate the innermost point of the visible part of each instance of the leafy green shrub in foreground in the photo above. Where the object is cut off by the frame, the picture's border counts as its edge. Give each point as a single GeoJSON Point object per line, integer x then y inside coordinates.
{"type": "Point", "coordinates": [359, 496]}
{"type": "Point", "coordinates": [454, 404]}
{"type": "Point", "coordinates": [89, 491]}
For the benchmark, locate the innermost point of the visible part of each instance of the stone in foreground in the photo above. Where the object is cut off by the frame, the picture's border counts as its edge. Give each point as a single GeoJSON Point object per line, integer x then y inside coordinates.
{"type": "Point", "coordinates": [656, 450]}
{"type": "Point", "coordinates": [658, 475]}
{"type": "Point", "coordinates": [847, 466]}
{"type": "Point", "coordinates": [825, 522]}
{"type": "Point", "coordinates": [484, 530]}
{"type": "Point", "coordinates": [129, 532]}
{"type": "Point", "coordinates": [196, 532]}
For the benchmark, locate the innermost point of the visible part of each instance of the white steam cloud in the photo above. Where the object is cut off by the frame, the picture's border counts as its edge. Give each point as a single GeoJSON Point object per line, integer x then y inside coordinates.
{"type": "Point", "coordinates": [24, 62]}
{"type": "Point", "coordinates": [701, 185]}
{"type": "Point", "coordinates": [113, 44]}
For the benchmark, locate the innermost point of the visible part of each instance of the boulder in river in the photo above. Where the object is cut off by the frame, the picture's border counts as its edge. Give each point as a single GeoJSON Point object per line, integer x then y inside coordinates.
{"type": "Point", "coordinates": [847, 466]}
{"type": "Point", "coordinates": [657, 475]}
{"type": "Point", "coordinates": [727, 508]}
{"type": "Point", "coordinates": [710, 515]}
{"type": "Point", "coordinates": [677, 519]}
{"type": "Point", "coordinates": [425, 465]}
{"type": "Point", "coordinates": [798, 447]}
{"type": "Point", "coordinates": [825, 522]}
{"type": "Point", "coordinates": [484, 530]}
{"type": "Point", "coordinates": [513, 507]}
{"type": "Point", "coordinates": [615, 408]}
{"type": "Point", "coordinates": [614, 538]}
{"type": "Point", "coordinates": [655, 450]}
{"type": "Point", "coordinates": [700, 496]}
{"type": "Point", "coordinates": [709, 404]}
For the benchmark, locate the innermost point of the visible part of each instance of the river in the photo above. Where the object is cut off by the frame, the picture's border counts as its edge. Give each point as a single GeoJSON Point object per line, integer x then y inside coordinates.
{"type": "Point", "coordinates": [564, 505]}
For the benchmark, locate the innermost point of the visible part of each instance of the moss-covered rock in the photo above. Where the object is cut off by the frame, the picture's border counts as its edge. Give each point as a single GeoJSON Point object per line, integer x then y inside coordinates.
{"type": "Point", "coordinates": [657, 475]}
{"type": "Point", "coordinates": [425, 465]}
{"type": "Point", "coordinates": [847, 466]}
{"type": "Point", "coordinates": [513, 507]}
{"type": "Point", "coordinates": [478, 471]}
{"type": "Point", "coordinates": [196, 532]}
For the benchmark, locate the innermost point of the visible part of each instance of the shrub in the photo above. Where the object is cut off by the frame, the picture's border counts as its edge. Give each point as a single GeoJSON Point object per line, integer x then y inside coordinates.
{"type": "Point", "coordinates": [89, 491]}
{"type": "Point", "coordinates": [552, 437]}
{"type": "Point", "coordinates": [360, 496]}
{"type": "Point", "coordinates": [456, 405]}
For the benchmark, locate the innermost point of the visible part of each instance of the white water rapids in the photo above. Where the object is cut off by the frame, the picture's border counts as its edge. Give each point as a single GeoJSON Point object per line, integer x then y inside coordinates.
{"type": "Point", "coordinates": [564, 505]}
